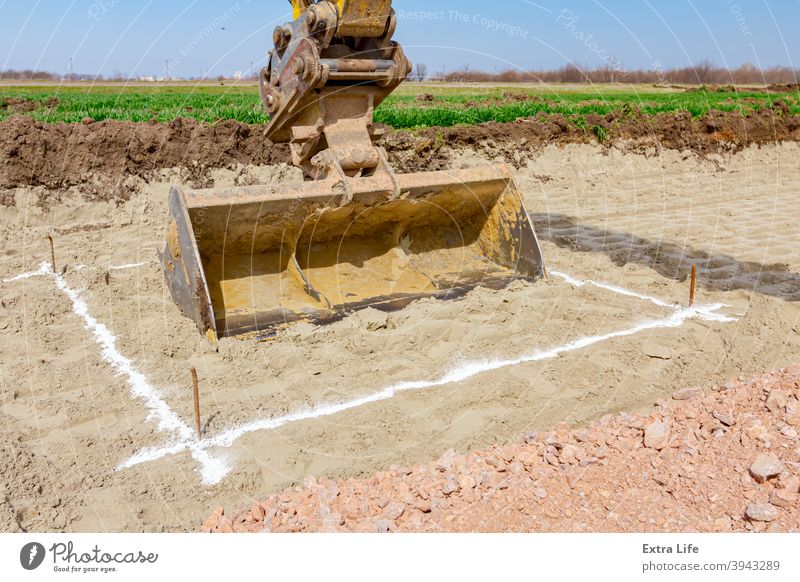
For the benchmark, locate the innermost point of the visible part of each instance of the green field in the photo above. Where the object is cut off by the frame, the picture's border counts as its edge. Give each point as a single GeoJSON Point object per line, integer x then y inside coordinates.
{"type": "Point", "coordinates": [451, 105]}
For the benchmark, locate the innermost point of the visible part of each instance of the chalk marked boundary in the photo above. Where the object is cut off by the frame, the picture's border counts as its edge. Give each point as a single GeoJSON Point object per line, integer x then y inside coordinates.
{"type": "Point", "coordinates": [213, 469]}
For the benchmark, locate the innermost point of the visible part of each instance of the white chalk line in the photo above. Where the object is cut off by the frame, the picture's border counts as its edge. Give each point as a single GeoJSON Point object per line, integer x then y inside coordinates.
{"type": "Point", "coordinates": [613, 288]}
{"type": "Point", "coordinates": [129, 266]}
{"type": "Point", "coordinates": [458, 374]}
{"type": "Point", "coordinates": [213, 470]}
{"type": "Point", "coordinates": [30, 274]}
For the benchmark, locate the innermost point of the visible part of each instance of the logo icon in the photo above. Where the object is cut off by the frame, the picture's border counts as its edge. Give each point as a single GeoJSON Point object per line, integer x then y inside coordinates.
{"type": "Point", "coordinates": [31, 555]}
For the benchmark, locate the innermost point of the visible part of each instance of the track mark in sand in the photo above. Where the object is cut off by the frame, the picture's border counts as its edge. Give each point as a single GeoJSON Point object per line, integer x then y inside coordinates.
{"type": "Point", "coordinates": [212, 469]}
{"type": "Point", "coordinates": [458, 374]}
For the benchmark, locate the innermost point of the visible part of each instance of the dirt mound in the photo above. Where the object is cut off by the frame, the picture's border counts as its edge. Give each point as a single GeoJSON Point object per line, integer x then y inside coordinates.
{"type": "Point", "coordinates": [712, 133]}
{"type": "Point", "coordinates": [57, 156]}
{"type": "Point", "coordinates": [718, 461]}
{"type": "Point", "coordinates": [788, 88]}
{"type": "Point", "coordinates": [509, 97]}
{"type": "Point", "coordinates": [18, 105]}
{"type": "Point", "coordinates": [25, 105]}
{"type": "Point", "coordinates": [713, 89]}
{"type": "Point", "coordinates": [64, 155]}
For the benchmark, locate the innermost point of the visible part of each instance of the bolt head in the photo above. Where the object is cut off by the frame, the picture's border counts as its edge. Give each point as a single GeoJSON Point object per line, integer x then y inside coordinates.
{"type": "Point", "coordinates": [358, 156]}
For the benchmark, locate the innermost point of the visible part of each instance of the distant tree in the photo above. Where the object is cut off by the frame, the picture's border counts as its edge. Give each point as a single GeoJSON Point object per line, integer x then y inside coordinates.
{"type": "Point", "coordinates": [572, 74]}
{"type": "Point", "coordinates": [28, 75]}
{"type": "Point", "coordinates": [422, 71]}
{"type": "Point", "coordinates": [704, 72]}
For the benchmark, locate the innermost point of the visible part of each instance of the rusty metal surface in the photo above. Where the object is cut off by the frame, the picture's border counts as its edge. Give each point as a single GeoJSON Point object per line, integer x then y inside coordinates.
{"type": "Point", "coordinates": [183, 267]}
{"type": "Point", "coordinates": [358, 18]}
{"type": "Point", "coordinates": [364, 18]}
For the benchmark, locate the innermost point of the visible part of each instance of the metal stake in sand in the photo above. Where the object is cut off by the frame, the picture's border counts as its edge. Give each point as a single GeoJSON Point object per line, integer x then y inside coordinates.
{"type": "Point", "coordinates": [694, 286]}
{"type": "Point", "coordinates": [196, 391]}
{"type": "Point", "coordinates": [52, 252]}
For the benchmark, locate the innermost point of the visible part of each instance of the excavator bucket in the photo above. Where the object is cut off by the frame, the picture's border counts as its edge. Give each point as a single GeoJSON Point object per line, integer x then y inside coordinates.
{"type": "Point", "coordinates": [249, 259]}
{"type": "Point", "coordinates": [356, 233]}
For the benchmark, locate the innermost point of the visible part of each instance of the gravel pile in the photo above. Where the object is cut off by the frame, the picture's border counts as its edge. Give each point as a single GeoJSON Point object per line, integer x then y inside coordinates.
{"type": "Point", "coordinates": [722, 460]}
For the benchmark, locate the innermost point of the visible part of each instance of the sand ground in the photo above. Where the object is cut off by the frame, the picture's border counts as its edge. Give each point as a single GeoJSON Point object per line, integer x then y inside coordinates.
{"type": "Point", "coordinates": [636, 221]}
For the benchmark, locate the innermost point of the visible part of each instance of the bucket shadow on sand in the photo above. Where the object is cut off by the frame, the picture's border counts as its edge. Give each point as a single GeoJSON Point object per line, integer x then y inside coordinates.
{"type": "Point", "coordinates": [718, 272]}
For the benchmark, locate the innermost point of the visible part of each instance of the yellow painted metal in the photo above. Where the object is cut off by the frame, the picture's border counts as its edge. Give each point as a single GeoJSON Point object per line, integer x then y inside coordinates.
{"type": "Point", "coordinates": [358, 18]}
{"type": "Point", "coordinates": [363, 18]}
{"type": "Point", "coordinates": [298, 7]}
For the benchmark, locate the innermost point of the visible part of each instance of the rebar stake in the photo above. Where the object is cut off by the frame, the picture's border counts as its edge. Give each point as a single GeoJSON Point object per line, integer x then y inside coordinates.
{"type": "Point", "coordinates": [52, 252]}
{"type": "Point", "coordinates": [196, 391]}
{"type": "Point", "coordinates": [694, 285]}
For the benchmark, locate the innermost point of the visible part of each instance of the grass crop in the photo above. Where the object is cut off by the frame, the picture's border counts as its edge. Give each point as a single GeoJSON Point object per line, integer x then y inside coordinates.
{"type": "Point", "coordinates": [451, 105]}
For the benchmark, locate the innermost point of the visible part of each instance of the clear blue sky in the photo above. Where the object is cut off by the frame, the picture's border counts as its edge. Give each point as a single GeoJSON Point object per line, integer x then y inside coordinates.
{"type": "Point", "coordinates": [136, 37]}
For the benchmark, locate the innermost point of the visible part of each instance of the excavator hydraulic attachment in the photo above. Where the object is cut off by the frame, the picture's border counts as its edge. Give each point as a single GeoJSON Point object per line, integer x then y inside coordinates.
{"type": "Point", "coordinates": [355, 233]}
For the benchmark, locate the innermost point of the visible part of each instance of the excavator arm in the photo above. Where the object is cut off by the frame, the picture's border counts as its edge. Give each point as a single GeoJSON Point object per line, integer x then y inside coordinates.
{"type": "Point", "coordinates": [330, 68]}
{"type": "Point", "coordinates": [355, 234]}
